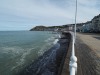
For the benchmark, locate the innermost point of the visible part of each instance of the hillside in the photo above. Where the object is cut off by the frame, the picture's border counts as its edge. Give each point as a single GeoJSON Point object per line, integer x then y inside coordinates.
{"type": "Point", "coordinates": [44, 28]}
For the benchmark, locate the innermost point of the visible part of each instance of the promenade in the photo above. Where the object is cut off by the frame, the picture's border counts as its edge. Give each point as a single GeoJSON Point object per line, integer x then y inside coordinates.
{"type": "Point", "coordinates": [87, 50]}
{"type": "Point", "coordinates": [88, 53]}
{"type": "Point", "coordinates": [92, 41]}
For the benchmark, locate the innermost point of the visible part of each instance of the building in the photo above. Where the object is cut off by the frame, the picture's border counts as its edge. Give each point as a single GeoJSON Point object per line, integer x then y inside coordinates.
{"type": "Point", "coordinates": [87, 27]}
{"type": "Point", "coordinates": [96, 23]}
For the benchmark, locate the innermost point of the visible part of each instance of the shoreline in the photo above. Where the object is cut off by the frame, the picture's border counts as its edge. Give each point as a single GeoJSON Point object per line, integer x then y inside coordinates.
{"type": "Point", "coordinates": [51, 62]}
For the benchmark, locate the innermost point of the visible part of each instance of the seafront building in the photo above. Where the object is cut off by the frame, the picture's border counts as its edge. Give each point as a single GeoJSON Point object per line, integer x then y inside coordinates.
{"type": "Point", "coordinates": [96, 23]}
{"type": "Point", "coordinates": [90, 26]}
{"type": "Point", "coordinates": [87, 27]}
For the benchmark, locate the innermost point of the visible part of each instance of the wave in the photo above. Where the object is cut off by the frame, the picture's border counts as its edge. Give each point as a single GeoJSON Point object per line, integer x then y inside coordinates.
{"type": "Point", "coordinates": [16, 54]}
{"type": "Point", "coordinates": [56, 40]}
{"type": "Point", "coordinates": [13, 50]}
{"type": "Point", "coordinates": [50, 39]}
{"type": "Point", "coordinates": [21, 61]}
{"type": "Point", "coordinates": [48, 44]}
{"type": "Point", "coordinates": [44, 63]}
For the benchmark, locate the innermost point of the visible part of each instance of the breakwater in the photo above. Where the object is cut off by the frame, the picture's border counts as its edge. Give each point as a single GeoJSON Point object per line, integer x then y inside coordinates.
{"type": "Point", "coordinates": [51, 62]}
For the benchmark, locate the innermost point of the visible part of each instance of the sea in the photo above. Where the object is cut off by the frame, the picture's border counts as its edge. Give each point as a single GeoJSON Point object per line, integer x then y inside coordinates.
{"type": "Point", "coordinates": [18, 49]}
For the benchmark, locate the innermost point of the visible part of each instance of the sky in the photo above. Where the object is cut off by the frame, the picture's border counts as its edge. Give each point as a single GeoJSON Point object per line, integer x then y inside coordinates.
{"type": "Point", "coordinates": [26, 14]}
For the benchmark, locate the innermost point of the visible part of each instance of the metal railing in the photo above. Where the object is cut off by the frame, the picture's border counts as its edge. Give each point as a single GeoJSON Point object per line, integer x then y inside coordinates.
{"type": "Point", "coordinates": [73, 58]}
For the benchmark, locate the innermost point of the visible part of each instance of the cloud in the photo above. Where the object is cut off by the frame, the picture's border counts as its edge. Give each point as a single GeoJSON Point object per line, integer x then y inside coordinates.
{"type": "Point", "coordinates": [45, 12]}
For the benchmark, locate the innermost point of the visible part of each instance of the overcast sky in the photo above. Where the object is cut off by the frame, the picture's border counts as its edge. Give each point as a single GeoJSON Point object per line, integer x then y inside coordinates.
{"type": "Point", "coordinates": [25, 14]}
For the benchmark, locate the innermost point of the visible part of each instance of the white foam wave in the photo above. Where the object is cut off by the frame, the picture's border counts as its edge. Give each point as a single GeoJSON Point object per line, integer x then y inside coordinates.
{"type": "Point", "coordinates": [59, 36]}
{"type": "Point", "coordinates": [12, 50]}
{"type": "Point", "coordinates": [22, 59]}
{"type": "Point", "coordinates": [44, 48]}
{"type": "Point", "coordinates": [49, 39]}
{"type": "Point", "coordinates": [56, 40]}
{"type": "Point", "coordinates": [48, 44]}
{"type": "Point", "coordinates": [40, 52]}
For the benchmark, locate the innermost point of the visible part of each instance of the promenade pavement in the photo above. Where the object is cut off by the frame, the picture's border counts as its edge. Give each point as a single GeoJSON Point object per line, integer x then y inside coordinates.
{"type": "Point", "coordinates": [87, 51]}
{"type": "Point", "coordinates": [92, 40]}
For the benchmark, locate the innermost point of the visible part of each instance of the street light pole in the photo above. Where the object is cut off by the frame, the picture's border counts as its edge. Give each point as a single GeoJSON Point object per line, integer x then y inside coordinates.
{"type": "Point", "coordinates": [73, 59]}
{"type": "Point", "coordinates": [75, 22]}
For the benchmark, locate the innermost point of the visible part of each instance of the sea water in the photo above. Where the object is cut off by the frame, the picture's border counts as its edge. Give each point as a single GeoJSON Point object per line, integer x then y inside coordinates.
{"type": "Point", "coordinates": [18, 49]}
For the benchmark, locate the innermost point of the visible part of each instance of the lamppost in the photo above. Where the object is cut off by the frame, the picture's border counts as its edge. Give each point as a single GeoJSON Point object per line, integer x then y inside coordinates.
{"type": "Point", "coordinates": [73, 59]}
{"type": "Point", "coordinates": [75, 22]}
